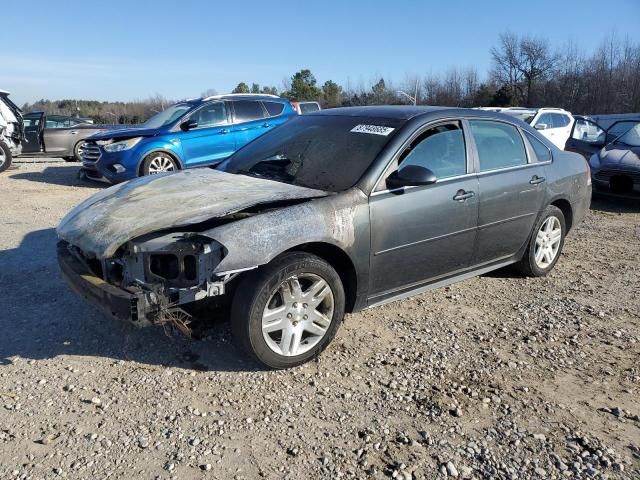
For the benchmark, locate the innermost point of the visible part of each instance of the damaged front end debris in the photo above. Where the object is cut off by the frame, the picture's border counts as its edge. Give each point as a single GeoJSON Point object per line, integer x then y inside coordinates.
{"type": "Point", "coordinates": [149, 279]}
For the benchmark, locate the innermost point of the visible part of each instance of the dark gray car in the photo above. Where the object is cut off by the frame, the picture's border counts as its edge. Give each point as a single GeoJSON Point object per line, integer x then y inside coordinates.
{"type": "Point", "coordinates": [330, 213]}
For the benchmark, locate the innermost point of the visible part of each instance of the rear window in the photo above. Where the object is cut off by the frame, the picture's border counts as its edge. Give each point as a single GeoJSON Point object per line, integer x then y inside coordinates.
{"type": "Point", "coordinates": [274, 108]}
{"type": "Point", "coordinates": [319, 151]}
{"type": "Point", "coordinates": [248, 110]}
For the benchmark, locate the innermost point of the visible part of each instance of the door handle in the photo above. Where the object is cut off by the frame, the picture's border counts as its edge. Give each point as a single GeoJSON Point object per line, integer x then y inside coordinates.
{"type": "Point", "coordinates": [535, 180]}
{"type": "Point", "coordinates": [73, 132]}
{"type": "Point", "coordinates": [462, 195]}
{"type": "Point", "coordinates": [224, 131]}
{"type": "Point", "coordinates": [266, 125]}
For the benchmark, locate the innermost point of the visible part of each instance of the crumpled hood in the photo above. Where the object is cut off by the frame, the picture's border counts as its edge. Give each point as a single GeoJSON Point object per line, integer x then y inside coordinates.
{"type": "Point", "coordinates": [108, 219]}
{"type": "Point", "coordinates": [620, 155]}
{"type": "Point", "coordinates": [123, 133]}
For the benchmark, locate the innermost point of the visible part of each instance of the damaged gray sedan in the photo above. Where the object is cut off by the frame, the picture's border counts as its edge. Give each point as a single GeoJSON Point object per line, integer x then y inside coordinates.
{"type": "Point", "coordinates": [330, 213]}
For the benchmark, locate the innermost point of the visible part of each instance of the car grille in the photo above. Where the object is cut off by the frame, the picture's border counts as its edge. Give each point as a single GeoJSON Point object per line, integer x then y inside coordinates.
{"type": "Point", "coordinates": [606, 175]}
{"type": "Point", "coordinates": [90, 153]}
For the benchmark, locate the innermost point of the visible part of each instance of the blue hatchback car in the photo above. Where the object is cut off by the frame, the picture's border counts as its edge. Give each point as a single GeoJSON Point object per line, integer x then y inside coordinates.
{"type": "Point", "coordinates": [192, 133]}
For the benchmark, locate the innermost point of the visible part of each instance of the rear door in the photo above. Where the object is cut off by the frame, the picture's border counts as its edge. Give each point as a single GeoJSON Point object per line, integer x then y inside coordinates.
{"type": "Point", "coordinates": [210, 141]}
{"type": "Point", "coordinates": [512, 189]}
{"type": "Point", "coordinates": [58, 136]}
{"type": "Point", "coordinates": [250, 120]}
{"type": "Point", "coordinates": [587, 137]}
{"type": "Point", "coordinates": [33, 126]}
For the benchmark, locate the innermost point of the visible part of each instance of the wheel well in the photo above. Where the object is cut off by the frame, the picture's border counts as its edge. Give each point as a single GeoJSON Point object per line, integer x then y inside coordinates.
{"type": "Point", "coordinates": [339, 260]}
{"type": "Point", "coordinates": [565, 207]}
{"type": "Point", "coordinates": [175, 158]}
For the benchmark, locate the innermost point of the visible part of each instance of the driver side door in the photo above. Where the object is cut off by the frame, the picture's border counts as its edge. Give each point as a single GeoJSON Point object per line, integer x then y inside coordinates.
{"type": "Point", "coordinates": [210, 141]}
{"type": "Point", "coordinates": [422, 233]}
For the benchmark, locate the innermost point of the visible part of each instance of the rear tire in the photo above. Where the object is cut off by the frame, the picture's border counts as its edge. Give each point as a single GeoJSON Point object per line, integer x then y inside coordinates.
{"type": "Point", "coordinates": [286, 313]}
{"type": "Point", "coordinates": [545, 244]}
{"type": "Point", "coordinates": [5, 156]}
{"type": "Point", "coordinates": [158, 162]}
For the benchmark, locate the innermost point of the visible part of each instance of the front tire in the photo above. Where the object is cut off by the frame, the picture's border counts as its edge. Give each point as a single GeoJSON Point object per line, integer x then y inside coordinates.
{"type": "Point", "coordinates": [286, 313]}
{"type": "Point", "coordinates": [5, 156]}
{"type": "Point", "coordinates": [158, 162]}
{"type": "Point", "coordinates": [545, 245]}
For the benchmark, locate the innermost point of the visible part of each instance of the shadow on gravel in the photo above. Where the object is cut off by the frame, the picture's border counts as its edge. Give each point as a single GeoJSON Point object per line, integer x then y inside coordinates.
{"type": "Point", "coordinates": [64, 175]}
{"type": "Point", "coordinates": [41, 319]}
{"type": "Point", "coordinates": [611, 204]}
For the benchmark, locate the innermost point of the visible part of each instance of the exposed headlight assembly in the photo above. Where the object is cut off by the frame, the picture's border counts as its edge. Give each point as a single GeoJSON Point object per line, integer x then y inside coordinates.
{"type": "Point", "coordinates": [123, 145]}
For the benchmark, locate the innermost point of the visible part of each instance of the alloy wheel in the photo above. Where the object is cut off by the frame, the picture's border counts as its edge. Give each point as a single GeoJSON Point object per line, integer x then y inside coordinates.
{"type": "Point", "coordinates": [548, 241]}
{"type": "Point", "coordinates": [161, 163]}
{"type": "Point", "coordinates": [298, 314]}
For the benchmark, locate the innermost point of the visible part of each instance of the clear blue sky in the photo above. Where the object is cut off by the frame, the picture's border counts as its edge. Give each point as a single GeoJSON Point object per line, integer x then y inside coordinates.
{"type": "Point", "coordinates": [122, 50]}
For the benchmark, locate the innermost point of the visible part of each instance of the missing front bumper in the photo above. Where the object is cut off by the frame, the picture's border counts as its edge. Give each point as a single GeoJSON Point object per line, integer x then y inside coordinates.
{"type": "Point", "coordinates": [138, 308]}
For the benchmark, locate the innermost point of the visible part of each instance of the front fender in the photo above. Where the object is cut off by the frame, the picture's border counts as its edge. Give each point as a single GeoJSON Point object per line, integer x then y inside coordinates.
{"type": "Point", "coordinates": [341, 220]}
{"type": "Point", "coordinates": [151, 145]}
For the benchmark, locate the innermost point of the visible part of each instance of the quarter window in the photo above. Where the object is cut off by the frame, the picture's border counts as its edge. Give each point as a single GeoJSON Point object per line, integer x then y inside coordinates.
{"type": "Point", "coordinates": [247, 110]}
{"type": "Point", "coordinates": [543, 154]}
{"type": "Point", "coordinates": [211, 115]}
{"type": "Point", "coordinates": [499, 145]}
{"type": "Point", "coordinates": [441, 149]}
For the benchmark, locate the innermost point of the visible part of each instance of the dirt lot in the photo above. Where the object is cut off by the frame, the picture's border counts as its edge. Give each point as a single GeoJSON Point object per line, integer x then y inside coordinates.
{"type": "Point", "coordinates": [495, 377]}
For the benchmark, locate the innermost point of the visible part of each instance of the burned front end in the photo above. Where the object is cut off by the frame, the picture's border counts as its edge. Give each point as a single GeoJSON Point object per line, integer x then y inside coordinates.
{"type": "Point", "coordinates": [149, 280]}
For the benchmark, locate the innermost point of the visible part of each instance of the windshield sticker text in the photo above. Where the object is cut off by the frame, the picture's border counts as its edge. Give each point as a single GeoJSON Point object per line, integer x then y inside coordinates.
{"type": "Point", "coordinates": [373, 129]}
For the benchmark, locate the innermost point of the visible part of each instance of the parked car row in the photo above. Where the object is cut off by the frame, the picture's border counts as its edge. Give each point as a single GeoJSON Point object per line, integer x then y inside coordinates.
{"type": "Point", "coordinates": [328, 213]}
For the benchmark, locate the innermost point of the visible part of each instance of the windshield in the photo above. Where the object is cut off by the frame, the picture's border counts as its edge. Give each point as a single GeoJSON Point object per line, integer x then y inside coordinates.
{"type": "Point", "coordinates": [320, 151]}
{"type": "Point", "coordinates": [632, 137]}
{"type": "Point", "coordinates": [524, 116]}
{"type": "Point", "coordinates": [167, 116]}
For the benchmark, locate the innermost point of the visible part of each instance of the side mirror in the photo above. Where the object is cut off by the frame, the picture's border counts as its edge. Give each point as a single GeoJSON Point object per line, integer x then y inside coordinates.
{"type": "Point", "coordinates": [410, 176]}
{"type": "Point", "coordinates": [540, 126]}
{"type": "Point", "coordinates": [188, 125]}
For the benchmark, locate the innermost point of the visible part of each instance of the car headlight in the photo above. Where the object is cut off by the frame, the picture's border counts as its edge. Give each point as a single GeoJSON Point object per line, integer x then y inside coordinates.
{"type": "Point", "coordinates": [594, 161]}
{"type": "Point", "coordinates": [123, 145]}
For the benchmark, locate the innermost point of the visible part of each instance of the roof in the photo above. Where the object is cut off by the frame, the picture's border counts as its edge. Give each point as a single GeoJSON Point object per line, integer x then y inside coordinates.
{"type": "Point", "coordinates": [4, 92]}
{"type": "Point", "coordinates": [399, 112]}
{"type": "Point", "coordinates": [235, 96]}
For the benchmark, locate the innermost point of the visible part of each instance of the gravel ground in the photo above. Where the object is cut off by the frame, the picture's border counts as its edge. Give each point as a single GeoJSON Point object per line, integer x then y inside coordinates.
{"type": "Point", "coordinates": [494, 377]}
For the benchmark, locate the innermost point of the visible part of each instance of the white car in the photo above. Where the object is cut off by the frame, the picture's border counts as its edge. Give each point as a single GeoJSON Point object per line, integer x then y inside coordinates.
{"type": "Point", "coordinates": [553, 123]}
{"type": "Point", "coordinates": [11, 130]}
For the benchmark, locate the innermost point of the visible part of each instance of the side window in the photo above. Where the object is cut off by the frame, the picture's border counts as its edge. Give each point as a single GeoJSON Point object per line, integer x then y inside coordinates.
{"type": "Point", "coordinates": [274, 108]}
{"type": "Point", "coordinates": [560, 120]}
{"type": "Point", "coordinates": [248, 110]}
{"type": "Point", "coordinates": [543, 154]}
{"type": "Point", "coordinates": [546, 119]}
{"type": "Point", "coordinates": [587, 131]}
{"type": "Point", "coordinates": [211, 115]}
{"type": "Point", "coordinates": [499, 145]}
{"type": "Point", "coordinates": [620, 128]}
{"type": "Point", "coordinates": [441, 149]}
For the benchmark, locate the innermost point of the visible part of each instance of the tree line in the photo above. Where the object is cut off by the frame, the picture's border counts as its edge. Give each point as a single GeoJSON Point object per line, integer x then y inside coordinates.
{"type": "Point", "coordinates": [525, 71]}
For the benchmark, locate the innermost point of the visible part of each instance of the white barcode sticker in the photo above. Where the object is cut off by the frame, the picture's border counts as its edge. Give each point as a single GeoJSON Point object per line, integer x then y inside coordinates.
{"type": "Point", "coordinates": [373, 129]}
